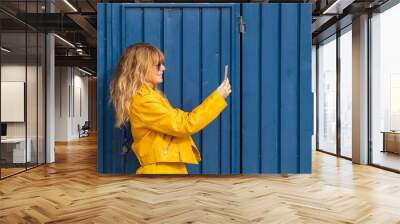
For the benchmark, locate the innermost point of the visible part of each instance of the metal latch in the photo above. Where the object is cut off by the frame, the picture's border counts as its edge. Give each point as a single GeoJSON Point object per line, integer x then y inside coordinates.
{"type": "Point", "coordinates": [242, 25]}
{"type": "Point", "coordinates": [124, 149]}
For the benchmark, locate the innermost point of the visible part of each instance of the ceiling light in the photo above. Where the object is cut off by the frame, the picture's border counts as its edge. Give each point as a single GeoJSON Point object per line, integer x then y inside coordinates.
{"type": "Point", "coordinates": [5, 50]}
{"type": "Point", "coordinates": [70, 5]}
{"type": "Point", "coordinates": [65, 41]}
{"type": "Point", "coordinates": [338, 6]}
{"type": "Point", "coordinates": [84, 71]}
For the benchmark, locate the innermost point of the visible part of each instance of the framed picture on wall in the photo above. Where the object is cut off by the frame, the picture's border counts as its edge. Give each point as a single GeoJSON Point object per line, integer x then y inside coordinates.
{"type": "Point", "coordinates": [12, 101]}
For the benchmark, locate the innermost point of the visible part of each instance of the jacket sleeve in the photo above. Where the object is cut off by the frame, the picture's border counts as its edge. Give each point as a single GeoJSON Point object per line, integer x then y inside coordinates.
{"type": "Point", "coordinates": [165, 119]}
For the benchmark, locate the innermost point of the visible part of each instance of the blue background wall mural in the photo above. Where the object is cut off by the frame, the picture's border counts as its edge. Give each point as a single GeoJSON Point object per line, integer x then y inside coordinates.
{"type": "Point", "coordinates": [267, 126]}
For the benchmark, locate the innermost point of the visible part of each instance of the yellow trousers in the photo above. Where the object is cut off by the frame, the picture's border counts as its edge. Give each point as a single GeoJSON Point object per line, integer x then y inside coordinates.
{"type": "Point", "coordinates": [163, 168]}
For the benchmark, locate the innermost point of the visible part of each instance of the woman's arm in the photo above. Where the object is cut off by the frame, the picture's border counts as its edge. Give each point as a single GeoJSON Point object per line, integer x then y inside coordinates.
{"type": "Point", "coordinates": [156, 116]}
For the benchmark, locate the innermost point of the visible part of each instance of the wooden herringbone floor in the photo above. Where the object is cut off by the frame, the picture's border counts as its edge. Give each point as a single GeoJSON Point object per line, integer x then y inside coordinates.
{"type": "Point", "coordinates": [70, 191]}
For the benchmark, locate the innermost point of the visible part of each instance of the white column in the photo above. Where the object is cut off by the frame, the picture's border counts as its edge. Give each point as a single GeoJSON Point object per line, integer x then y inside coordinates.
{"type": "Point", "coordinates": [360, 90]}
{"type": "Point", "coordinates": [50, 94]}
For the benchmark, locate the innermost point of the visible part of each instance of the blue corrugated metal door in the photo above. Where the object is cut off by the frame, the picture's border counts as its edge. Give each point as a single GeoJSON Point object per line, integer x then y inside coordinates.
{"type": "Point", "coordinates": [197, 40]}
{"type": "Point", "coordinates": [268, 126]}
{"type": "Point", "coordinates": [277, 103]}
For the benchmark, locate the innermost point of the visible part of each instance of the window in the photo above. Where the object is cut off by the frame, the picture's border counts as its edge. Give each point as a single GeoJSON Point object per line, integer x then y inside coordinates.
{"type": "Point", "coordinates": [327, 95]}
{"type": "Point", "coordinates": [385, 89]}
{"type": "Point", "coordinates": [346, 92]}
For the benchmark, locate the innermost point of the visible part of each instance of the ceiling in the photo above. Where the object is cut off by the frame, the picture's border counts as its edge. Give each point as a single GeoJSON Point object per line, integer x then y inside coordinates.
{"type": "Point", "coordinates": [75, 22]}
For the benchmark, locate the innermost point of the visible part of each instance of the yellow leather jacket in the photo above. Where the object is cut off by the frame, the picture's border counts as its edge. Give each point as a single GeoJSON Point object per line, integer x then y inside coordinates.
{"type": "Point", "coordinates": [162, 133]}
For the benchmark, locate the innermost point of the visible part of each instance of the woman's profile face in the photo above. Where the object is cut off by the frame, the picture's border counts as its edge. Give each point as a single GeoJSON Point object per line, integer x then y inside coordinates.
{"type": "Point", "coordinates": [155, 75]}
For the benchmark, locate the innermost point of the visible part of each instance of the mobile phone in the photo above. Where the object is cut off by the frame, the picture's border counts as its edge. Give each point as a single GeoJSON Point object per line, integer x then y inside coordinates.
{"type": "Point", "coordinates": [226, 71]}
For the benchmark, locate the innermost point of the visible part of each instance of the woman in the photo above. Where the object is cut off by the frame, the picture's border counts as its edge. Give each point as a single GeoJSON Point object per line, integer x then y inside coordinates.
{"type": "Point", "coordinates": [161, 134]}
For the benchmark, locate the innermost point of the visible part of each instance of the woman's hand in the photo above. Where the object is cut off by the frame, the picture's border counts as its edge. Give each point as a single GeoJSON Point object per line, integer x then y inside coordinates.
{"type": "Point", "coordinates": [225, 88]}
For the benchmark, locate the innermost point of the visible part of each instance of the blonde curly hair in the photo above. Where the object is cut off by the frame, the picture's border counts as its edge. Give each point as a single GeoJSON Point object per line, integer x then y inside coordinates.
{"type": "Point", "coordinates": [133, 66]}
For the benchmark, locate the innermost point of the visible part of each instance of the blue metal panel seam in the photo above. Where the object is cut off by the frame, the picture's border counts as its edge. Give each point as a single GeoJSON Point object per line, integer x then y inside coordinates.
{"type": "Point", "coordinates": [241, 95]}
{"type": "Point", "coordinates": [201, 78]}
{"type": "Point", "coordinates": [181, 47]}
{"type": "Point", "coordinates": [260, 89]}
{"type": "Point", "coordinates": [107, 165]}
{"type": "Point", "coordinates": [219, 79]}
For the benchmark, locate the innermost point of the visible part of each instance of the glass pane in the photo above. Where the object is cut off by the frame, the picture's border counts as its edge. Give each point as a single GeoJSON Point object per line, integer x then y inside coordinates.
{"type": "Point", "coordinates": [327, 96]}
{"type": "Point", "coordinates": [346, 93]}
{"type": "Point", "coordinates": [23, 87]}
{"type": "Point", "coordinates": [32, 95]}
{"type": "Point", "coordinates": [385, 95]}
{"type": "Point", "coordinates": [13, 86]}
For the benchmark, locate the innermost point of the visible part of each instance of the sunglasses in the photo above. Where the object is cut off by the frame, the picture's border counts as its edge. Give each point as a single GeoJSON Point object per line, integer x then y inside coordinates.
{"type": "Point", "coordinates": [159, 66]}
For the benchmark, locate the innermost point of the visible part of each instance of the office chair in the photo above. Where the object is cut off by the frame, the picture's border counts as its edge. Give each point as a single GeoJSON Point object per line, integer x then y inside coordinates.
{"type": "Point", "coordinates": [84, 130]}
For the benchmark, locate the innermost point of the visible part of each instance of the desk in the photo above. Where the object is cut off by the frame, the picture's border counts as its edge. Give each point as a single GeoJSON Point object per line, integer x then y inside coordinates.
{"type": "Point", "coordinates": [13, 150]}
{"type": "Point", "coordinates": [391, 141]}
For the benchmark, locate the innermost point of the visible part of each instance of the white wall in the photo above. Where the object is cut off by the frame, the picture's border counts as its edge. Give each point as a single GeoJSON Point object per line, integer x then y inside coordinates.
{"type": "Point", "coordinates": [71, 94]}
{"type": "Point", "coordinates": [61, 103]}
{"type": "Point", "coordinates": [80, 89]}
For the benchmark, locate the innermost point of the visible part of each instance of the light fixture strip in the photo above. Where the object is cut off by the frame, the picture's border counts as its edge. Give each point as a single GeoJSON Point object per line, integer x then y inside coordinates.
{"type": "Point", "coordinates": [70, 5]}
{"type": "Point", "coordinates": [86, 72]}
{"type": "Point", "coordinates": [64, 40]}
{"type": "Point", "coordinates": [5, 50]}
{"type": "Point", "coordinates": [331, 7]}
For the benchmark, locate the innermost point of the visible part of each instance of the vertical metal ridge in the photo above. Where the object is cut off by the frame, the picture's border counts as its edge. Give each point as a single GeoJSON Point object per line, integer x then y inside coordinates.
{"type": "Point", "coordinates": [201, 81]}
{"type": "Point", "coordinates": [231, 53]}
{"type": "Point", "coordinates": [109, 57]}
{"type": "Point", "coordinates": [162, 29]}
{"type": "Point", "coordinates": [143, 36]}
{"type": "Point", "coordinates": [305, 91]}
{"type": "Point", "coordinates": [181, 53]}
{"type": "Point", "coordinates": [241, 92]}
{"type": "Point", "coordinates": [299, 87]}
{"type": "Point", "coordinates": [143, 17]}
{"type": "Point", "coordinates": [260, 89]}
{"type": "Point", "coordinates": [219, 81]}
{"type": "Point", "coordinates": [237, 53]}
{"type": "Point", "coordinates": [279, 100]}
